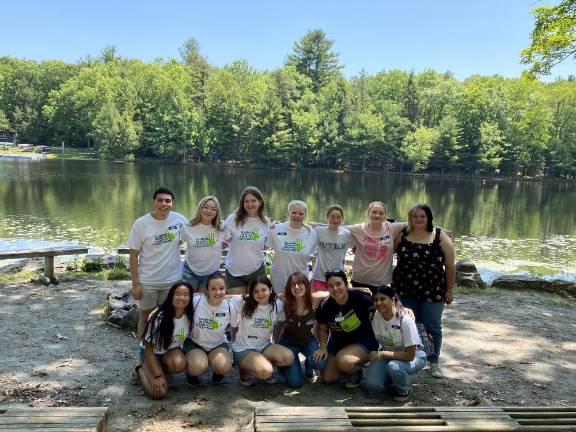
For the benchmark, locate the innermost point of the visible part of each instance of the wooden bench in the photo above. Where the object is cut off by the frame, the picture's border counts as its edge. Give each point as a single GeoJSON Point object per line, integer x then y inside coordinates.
{"type": "Point", "coordinates": [54, 419]}
{"type": "Point", "coordinates": [414, 419]}
{"type": "Point", "coordinates": [48, 253]}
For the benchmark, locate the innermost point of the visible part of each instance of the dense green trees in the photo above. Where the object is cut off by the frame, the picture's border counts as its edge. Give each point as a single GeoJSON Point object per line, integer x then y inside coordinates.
{"type": "Point", "coordinates": [302, 114]}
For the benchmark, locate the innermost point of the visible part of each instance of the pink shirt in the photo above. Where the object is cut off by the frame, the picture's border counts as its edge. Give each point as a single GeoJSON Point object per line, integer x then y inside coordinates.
{"type": "Point", "coordinates": [373, 258]}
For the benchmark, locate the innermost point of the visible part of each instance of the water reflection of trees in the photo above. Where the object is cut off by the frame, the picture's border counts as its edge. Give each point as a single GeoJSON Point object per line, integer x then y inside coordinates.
{"type": "Point", "coordinates": [108, 196]}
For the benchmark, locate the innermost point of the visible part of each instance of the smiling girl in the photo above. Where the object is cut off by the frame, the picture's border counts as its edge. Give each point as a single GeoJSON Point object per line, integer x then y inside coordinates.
{"type": "Point", "coordinates": [254, 352]}
{"type": "Point", "coordinates": [249, 226]}
{"type": "Point", "coordinates": [207, 344]}
{"type": "Point", "coordinates": [293, 242]}
{"type": "Point", "coordinates": [165, 332]}
{"type": "Point", "coordinates": [204, 235]}
{"type": "Point", "coordinates": [297, 335]}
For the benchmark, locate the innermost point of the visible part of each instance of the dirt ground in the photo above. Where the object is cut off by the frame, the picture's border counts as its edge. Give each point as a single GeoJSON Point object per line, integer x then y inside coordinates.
{"type": "Point", "coordinates": [500, 348]}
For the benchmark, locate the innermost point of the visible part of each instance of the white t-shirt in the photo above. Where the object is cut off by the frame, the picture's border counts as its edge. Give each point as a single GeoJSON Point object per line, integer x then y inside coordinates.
{"type": "Point", "coordinates": [179, 335]}
{"type": "Point", "coordinates": [332, 248]}
{"type": "Point", "coordinates": [256, 332]}
{"type": "Point", "coordinates": [204, 247]}
{"type": "Point", "coordinates": [396, 334]}
{"type": "Point", "coordinates": [292, 250]}
{"type": "Point", "coordinates": [210, 322]}
{"type": "Point", "coordinates": [158, 243]}
{"type": "Point", "coordinates": [248, 241]}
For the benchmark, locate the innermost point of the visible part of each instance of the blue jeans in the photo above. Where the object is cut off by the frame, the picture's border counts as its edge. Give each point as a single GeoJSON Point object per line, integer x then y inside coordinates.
{"type": "Point", "coordinates": [383, 373]}
{"type": "Point", "coordinates": [198, 282]}
{"type": "Point", "coordinates": [293, 374]}
{"type": "Point", "coordinates": [429, 314]}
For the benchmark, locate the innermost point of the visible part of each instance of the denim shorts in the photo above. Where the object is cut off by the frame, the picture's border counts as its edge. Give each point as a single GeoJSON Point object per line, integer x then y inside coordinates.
{"type": "Point", "coordinates": [242, 281]}
{"type": "Point", "coordinates": [142, 351]}
{"type": "Point", "coordinates": [239, 356]}
{"type": "Point", "coordinates": [198, 282]}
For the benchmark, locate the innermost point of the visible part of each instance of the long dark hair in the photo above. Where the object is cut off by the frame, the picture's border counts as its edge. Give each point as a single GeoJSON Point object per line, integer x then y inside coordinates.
{"type": "Point", "coordinates": [241, 213]}
{"type": "Point", "coordinates": [250, 304]}
{"type": "Point", "coordinates": [389, 292]}
{"type": "Point", "coordinates": [290, 300]}
{"type": "Point", "coordinates": [161, 322]}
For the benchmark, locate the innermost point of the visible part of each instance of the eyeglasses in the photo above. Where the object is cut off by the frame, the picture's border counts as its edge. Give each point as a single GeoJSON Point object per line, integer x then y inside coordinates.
{"type": "Point", "coordinates": [212, 209]}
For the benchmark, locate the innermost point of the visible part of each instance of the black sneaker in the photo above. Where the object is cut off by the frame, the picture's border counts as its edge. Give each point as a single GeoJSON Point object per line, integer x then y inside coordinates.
{"type": "Point", "coordinates": [354, 380]}
{"type": "Point", "coordinates": [217, 378]}
{"type": "Point", "coordinates": [311, 376]}
{"type": "Point", "coordinates": [192, 381]}
{"type": "Point", "coordinates": [403, 397]}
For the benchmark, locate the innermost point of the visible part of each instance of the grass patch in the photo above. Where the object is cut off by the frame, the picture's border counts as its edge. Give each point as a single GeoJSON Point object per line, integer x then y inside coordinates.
{"type": "Point", "coordinates": [23, 276]}
{"type": "Point", "coordinates": [103, 275]}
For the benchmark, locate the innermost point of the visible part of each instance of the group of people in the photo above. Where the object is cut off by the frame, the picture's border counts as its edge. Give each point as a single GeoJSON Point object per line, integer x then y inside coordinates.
{"type": "Point", "coordinates": [192, 315]}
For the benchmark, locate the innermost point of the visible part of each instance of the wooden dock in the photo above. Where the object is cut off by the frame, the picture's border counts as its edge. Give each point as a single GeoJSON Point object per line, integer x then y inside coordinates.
{"type": "Point", "coordinates": [414, 419]}
{"type": "Point", "coordinates": [54, 419]}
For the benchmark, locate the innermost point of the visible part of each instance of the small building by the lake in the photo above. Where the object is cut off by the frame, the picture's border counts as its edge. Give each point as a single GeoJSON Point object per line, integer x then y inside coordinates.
{"type": "Point", "coordinates": [8, 136]}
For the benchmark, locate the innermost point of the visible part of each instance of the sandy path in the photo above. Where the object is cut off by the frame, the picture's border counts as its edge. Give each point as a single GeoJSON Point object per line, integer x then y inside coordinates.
{"type": "Point", "coordinates": [505, 348]}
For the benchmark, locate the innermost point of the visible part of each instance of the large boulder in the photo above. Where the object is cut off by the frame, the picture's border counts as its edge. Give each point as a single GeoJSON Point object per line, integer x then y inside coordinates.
{"type": "Point", "coordinates": [467, 275]}
{"type": "Point", "coordinates": [525, 282]}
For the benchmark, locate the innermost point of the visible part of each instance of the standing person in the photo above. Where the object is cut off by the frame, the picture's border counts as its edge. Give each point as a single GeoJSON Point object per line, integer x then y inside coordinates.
{"type": "Point", "coordinates": [374, 243]}
{"type": "Point", "coordinates": [254, 352]}
{"type": "Point", "coordinates": [204, 235]}
{"type": "Point", "coordinates": [400, 353]}
{"type": "Point", "coordinates": [297, 333]}
{"type": "Point", "coordinates": [293, 242]}
{"type": "Point", "coordinates": [344, 331]}
{"type": "Point", "coordinates": [165, 332]}
{"type": "Point", "coordinates": [155, 262]}
{"type": "Point", "coordinates": [424, 275]}
{"type": "Point", "coordinates": [333, 243]}
{"type": "Point", "coordinates": [249, 227]}
{"type": "Point", "coordinates": [207, 344]}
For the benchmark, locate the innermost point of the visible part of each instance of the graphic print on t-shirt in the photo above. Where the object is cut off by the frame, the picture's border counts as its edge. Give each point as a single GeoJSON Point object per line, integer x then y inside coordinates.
{"type": "Point", "coordinates": [210, 323]}
{"type": "Point", "coordinates": [180, 337]}
{"type": "Point", "coordinates": [208, 241]}
{"type": "Point", "coordinates": [166, 237]}
{"type": "Point", "coordinates": [348, 322]}
{"type": "Point", "coordinates": [376, 248]}
{"type": "Point", "coordinates": [264, 323]}
{"type": "Point", "coordinates": [295, 246]}
{"type": "Point", "coordinates": [253, 234]}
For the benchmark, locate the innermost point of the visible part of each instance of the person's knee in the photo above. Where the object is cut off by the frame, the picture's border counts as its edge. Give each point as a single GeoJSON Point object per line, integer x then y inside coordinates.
{"type": "Point", "coordinates": [196, 366]}
{"type": "Point", "coordinates": [221, 367]}
{"type": "Point", "coordinates": [375, 386]}
{"type": "Point", "coordinates": [285, 358]}
{"type": "Point", "coordinates": [295, 381]}
{"type": "Point", "coordinates": [346, 364]}
{"type": "Point", "coordinates": [263, 370]}
{"type": "Point", "coordinates": [393, 367]}
{"type": "Point", "coordinates": [176, 364]}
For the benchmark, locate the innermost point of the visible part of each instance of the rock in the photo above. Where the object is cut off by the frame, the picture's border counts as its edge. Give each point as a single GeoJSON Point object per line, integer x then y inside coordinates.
{"type": "Point", "coordinates": [525, 282]}
{"type": "Point", "coordinates": [13, 267]}
{"type": "Point", "coordinates": [127, 319]}
{"type": "Point", "coordinates": [467, 275]}
{"type": "Point", "coordinates": [121, 301]}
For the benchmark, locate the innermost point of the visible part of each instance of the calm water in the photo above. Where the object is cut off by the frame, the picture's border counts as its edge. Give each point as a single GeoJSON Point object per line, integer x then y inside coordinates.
{"type": "Point", "coordinates": [502, 225]}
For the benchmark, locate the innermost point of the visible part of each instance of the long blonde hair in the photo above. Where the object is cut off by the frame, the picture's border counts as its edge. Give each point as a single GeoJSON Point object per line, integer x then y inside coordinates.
{"type": "Point", "coordinates": [216, 221]}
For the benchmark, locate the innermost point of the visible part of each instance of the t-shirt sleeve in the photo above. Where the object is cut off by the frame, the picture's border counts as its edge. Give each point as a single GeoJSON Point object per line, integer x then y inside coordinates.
{"type": "Point", "coordinates": [281, 314]}
{"type": "Point", "coordinates": [270, 243]}
{"type": "Point", "coordinates": [410, 335]}
{"type": "Point", "coordinates": [184, 233]}
{"type": "Point", "coordinates": [235, 310]}
{"type": "Point", "coordinates": [134, 239]}
{"type": "Point", "coordinates": [227, 233]}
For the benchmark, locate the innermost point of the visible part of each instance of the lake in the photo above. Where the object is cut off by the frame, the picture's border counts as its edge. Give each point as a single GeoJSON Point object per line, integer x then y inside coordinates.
{"type": "Point", "coordinates": [504, 226]}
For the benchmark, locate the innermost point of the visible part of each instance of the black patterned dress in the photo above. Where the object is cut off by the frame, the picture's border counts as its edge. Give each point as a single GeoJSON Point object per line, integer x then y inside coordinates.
{"type": "Point", "coordinates": [420, 271]}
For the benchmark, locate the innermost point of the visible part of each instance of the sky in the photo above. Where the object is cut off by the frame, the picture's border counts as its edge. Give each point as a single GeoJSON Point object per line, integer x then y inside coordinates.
{"type": "Point", "coordinates": [464, 37]}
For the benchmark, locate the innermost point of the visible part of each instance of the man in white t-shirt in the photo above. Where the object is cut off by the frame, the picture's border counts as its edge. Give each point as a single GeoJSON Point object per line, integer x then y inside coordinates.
{"type": "Point", "coordinates": [155, 263]}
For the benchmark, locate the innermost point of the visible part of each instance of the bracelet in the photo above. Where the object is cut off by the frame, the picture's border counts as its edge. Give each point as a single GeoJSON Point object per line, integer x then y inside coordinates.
{"type": "Point", "coordinates": [158, 376]}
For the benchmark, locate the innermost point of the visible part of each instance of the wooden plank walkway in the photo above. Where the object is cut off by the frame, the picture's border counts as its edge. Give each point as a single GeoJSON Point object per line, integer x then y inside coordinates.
{"type": "Point", "coordinates": [92, 419]}
{"type": "Point", "coordinates": [414, 419]}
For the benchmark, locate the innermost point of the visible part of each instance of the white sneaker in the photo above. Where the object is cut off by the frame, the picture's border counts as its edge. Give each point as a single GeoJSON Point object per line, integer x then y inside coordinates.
{"type": "Point", "coordinates": [435, 370]}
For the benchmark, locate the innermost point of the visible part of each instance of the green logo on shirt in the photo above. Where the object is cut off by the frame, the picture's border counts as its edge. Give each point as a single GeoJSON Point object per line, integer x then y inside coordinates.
{"type": "Point", "coordinates": [255, 234]}
{"type": "Point", "coordinates": [214, 325]}
{"type": "Point", "coordinates": [299, 245]}
{"type": "Point", "coordinates": [350, 322]}
{"type": "Point", "coordinates": [181, 336]}
{"type": "Point", "coordinates": [211, 239]}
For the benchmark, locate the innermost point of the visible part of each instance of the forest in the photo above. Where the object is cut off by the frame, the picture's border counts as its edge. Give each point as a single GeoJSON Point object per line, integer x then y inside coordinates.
{"type": "Point", "coordinates": [303, 114]}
